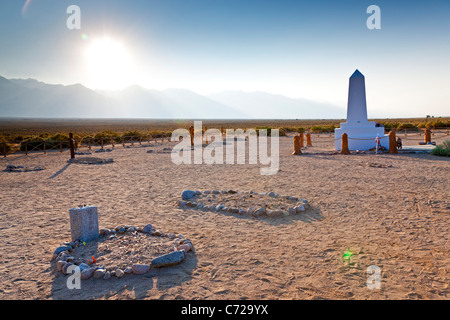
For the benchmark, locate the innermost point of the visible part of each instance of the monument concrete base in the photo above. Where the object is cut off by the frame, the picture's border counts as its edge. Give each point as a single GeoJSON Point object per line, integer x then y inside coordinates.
{"type": "Point", "coordinates": [361, 136]}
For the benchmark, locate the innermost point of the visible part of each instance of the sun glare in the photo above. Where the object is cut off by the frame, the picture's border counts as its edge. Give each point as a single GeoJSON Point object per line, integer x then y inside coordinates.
{"type": "Point", "coordinates": [109, 64]}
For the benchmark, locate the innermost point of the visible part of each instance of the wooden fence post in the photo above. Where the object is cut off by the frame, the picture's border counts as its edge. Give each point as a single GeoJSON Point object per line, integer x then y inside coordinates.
{"type": "Point", "coordinates": [297, 148]}
{"type": "Point", "coordinates": [191, 132]}
{"type": "Point", "coordinates": [308, 140]}
{"type": "Point", "coordinates": [71, 145]}
{"type": "Point", "coordinates": [344, 145]}
{"type": "Point", "coordinates": [44, 148]}
{"type": "Point", "coordinates": [392, 143]}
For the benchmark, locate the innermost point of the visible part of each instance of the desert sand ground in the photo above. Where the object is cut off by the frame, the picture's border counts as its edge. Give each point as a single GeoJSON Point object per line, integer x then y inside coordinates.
{"type": "Point", "coordinates": [395, 218]}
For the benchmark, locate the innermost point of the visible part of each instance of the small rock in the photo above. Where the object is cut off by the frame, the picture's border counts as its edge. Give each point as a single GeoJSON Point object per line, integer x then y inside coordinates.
{"type": "Point", "coordinates": [61, 249]}
{"type": "Point", "coordinates": [99, 273]}
{"type": "Point", "coordinates": [87, 273]}
{"type": "Point", "coordinates": [104, 232]}
{"type": "Point", "coordinates": [169, 259]}
{"type": "Point", "coordinates": [215, 192]}
{"type": "Point", "coordinates": [60, 264]}
{"type": "Point", "coordinates": [259, 212]}
{"type": "Point", "coordinates": [107, 275]}
{"type": "Point", "coordinates": [219, 207]}
{"type": "Point", "coordinates": [187, 194]}
{"type": "Point", "coordinates": [274, 213]}
{"type": "Point", "coordinates": [140, 268]}
{"type": "Point", "coordinates": [147, 228]}
{"type": "Point", "coordinates": [292, 211]}
{"type": "Point", "coordinates": [186, 247]}
{"type": "Point", "coordinates": [251, 210]}
{"type": "Point", "coordinates": [127, 270]}
{"type": "Point", "coordinates": [271, 194]}
{"type": "Point", "coordinates": [84, 266]}
{"type": "Point", "coordinates": [299, 209]}
{"type": "Point", "coordinates": [119, 273]}
{"type": "Point", "coordinates": [242, 211]}
{"type": "Point", "coordinates": [65, 268]}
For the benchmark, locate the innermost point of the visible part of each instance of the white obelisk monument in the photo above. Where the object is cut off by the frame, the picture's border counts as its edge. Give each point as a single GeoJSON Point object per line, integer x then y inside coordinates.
{"type": "Point", "coordinates": [361, 132]}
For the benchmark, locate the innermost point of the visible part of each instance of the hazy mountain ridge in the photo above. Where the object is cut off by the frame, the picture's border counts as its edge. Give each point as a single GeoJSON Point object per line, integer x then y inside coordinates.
{"type": "Point", "coordinates": [32, 98]}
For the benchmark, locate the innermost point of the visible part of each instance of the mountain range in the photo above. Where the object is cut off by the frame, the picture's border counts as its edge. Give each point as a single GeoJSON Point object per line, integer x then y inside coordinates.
{"type": "Point", "coordinates": [33, 98]}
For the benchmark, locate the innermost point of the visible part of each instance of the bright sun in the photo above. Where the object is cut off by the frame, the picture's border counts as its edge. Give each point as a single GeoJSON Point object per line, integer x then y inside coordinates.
{"type": "Point", "coordinates": [109, 64]}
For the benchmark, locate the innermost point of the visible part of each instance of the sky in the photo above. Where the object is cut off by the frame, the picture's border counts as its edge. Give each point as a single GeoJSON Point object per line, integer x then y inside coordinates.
{"type": "Point", "coordinates": [300, 49]}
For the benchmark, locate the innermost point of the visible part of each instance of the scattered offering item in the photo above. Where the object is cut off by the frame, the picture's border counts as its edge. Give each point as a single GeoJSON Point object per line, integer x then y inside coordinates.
{"type": "Point", "coordinates": [243, 203]}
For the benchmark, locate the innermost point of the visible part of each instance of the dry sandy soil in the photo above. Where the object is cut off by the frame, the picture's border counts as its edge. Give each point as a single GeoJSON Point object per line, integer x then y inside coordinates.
{"type": "Point", "coordinates": [393, 217]}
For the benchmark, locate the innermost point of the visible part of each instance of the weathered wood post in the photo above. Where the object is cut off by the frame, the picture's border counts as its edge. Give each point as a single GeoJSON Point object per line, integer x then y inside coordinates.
{"type": "Point", "coordinates": [392, 143]}
{"type": "Point", "coordinates": [297, 148]}
{"type": "Point", "coordinates": [344, 145]}
{"type": "Point", "coordinates": [44, 148]}
{"type": "Point", "coordinates": [308, 140]}
{"type": "Point", "coordinates": [191, 132]}
{"type": "Point", "coordinates": [302, 140]}
{"type": "Point", "coordinates": [71, 146]}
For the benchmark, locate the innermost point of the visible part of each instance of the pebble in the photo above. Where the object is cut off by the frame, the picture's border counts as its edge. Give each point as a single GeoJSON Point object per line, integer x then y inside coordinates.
{"type": "Point", "coordinates": [274, 213]}
{"type": "Point", "coordinates": [65, 268]}
{"type": "Point", "coordinates": [99, 273]}
{"type": "Point", "coordinates": [169, 259]}
{"type": "Point", "coordinates": [127, 270]}
{"type": "Point", "coordinates": [60, 264]}
{"type": "Point", "coordinates": [271, 194]}
{"type": "Point", "coordinates": [186, 247]}
{"type": "Point", "coordinates": [242, 211]}
{"type": "Point", "coordinates": [119, 273]}
{"type": "Point", "coordinates": [147, 228]}
{"type": "Point", "coordinates": [84, 266]}
{"type": "Point", "coordinates": [61, 249]}
{"type": "Point", "coordinates": [107, 275]}
{"type": "Point", "coordinates": [299, 209]}
{"type": "Point", "coordinates": [140, 268]}
{"type": "Point", "coordinates": [292, 211]}
{"type": "Point", "coordinates": [187, 194]}
{"type": "Point", "coordinates": [87, 273]}
{"type": "Point", "coordinates": [259, 212]}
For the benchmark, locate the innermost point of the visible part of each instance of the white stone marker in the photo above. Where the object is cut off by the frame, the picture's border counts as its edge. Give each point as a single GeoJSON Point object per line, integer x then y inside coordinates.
{"type": "Point", "coordinates": [84, 223]}
{"type": "Point", "coordinates": [361, 132]}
